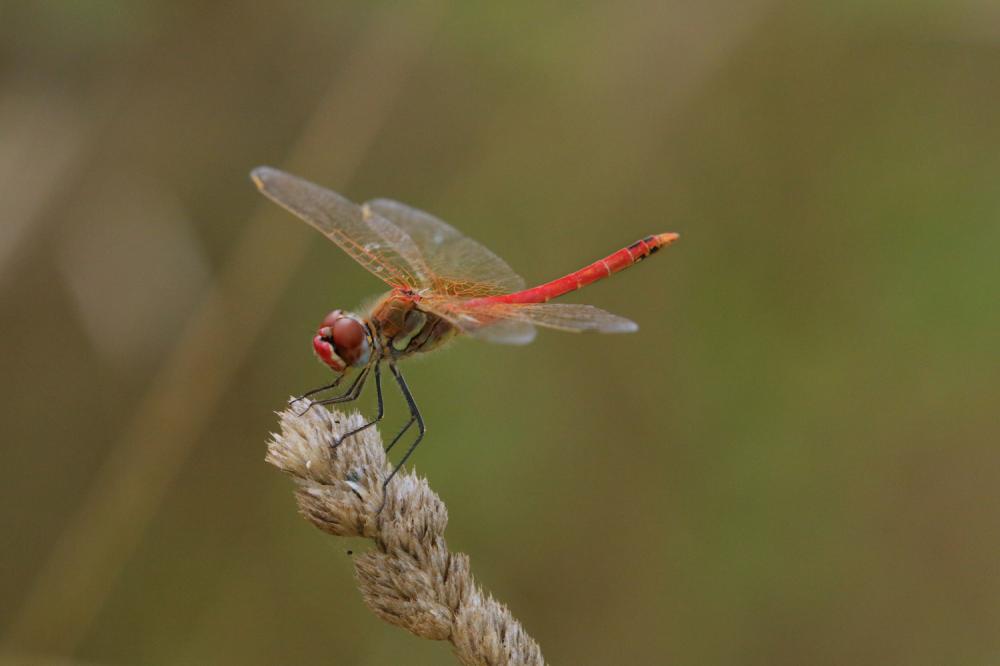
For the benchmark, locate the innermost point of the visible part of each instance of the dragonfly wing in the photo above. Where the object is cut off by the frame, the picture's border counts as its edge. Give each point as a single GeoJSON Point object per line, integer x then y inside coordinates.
{"type": "Point", "coordinates": [460, 266]}
{"type": "Point", "coordinates": [403, 245]}
{"type": "Point", "coordinates": [505, 332]}
{"type": "Point", "coordinates": [514, 323]}
{"type": "Point", "coordinates": [375, 243]}
{"type": "Point", "coordinates": [562, 316]}
{"type": "Point", "coordinates": [477, 323]}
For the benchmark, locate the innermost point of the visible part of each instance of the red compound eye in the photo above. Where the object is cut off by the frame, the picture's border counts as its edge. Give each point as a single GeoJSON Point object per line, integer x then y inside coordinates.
{"type": "Point", "coordinates": [349, 339]}
{"type": "Point", "coordinates": [331, 318]}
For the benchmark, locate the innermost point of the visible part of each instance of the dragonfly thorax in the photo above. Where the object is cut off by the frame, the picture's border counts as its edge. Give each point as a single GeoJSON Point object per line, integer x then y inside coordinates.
{"type": "Point", "coordinates": [402, 328]}
{"type": "Point", "coordinates": [342, 341]}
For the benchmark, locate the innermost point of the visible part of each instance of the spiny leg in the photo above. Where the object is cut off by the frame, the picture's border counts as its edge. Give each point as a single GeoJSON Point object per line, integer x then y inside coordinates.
{"type": "Point", "coordinates": [335, 384]}
{"type": "Point", "coordinates": [351, 394]}
{"type": "Point", "coordinates": [406, 426]}
{"type": "Point", "coordinates": [378, 416]}
{"type": "Point", "coordinates": [414, 416]}
{"type": "Point", "coordinates": [400, 434]}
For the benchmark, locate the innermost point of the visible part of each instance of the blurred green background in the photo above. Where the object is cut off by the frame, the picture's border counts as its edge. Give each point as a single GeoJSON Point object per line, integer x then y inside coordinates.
{"type": "Point", "coordinates": [795, 460]}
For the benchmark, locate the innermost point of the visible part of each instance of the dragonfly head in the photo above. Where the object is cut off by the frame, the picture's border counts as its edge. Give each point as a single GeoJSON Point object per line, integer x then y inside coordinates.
{"type": "Point", "coordinates": [342, 341]}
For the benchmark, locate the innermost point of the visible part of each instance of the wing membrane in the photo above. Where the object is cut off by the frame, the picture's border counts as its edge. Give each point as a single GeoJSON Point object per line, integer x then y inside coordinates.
{"type": "Point", "coordinates": [375, 243]}
{"type": "Point", "coordinates": [575, 317]}
{"type": "Point", "coordinates": [513, 323]}
{"type": "Point", "coordinates": [459, 266]}
{"type": "Point", "coordinates": [505, 332]}
{"type": "Point", "coordinates": [563, 317]}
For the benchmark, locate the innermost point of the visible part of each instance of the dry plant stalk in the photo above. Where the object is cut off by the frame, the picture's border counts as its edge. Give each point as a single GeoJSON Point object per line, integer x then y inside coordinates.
{"type": "Point", "coordinates": [409, 578]}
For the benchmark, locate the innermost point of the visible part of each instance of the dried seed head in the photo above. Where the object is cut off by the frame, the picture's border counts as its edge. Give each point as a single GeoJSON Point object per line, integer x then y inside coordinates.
{"type": "Point", "coordinates": [409, 578]}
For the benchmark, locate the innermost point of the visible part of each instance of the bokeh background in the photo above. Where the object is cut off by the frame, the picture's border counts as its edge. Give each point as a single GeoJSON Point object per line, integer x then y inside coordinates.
{"type": "Point", "coordinates": [795, 460]}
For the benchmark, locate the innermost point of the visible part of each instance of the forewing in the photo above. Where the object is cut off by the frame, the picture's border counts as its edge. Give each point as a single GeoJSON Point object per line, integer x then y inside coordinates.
{"type": "Point", "coordinates": [458, 265]}
{"type": "Point", "coordinates": [375, 243]}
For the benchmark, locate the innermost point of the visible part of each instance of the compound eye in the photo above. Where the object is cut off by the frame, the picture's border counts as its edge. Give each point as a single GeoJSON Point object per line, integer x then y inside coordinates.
{"type": "Point", "coordinates": [331, 319]}
{"type": "Point", "coordinates": [349, 339]}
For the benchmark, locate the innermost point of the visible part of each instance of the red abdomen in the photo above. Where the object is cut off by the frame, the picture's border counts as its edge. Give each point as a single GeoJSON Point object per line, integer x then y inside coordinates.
{"type": "Point", "coordinates": [598, 270]}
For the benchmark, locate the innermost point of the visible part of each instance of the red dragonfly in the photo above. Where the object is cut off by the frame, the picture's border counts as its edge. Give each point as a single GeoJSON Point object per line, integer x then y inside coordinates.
{"type": "Point", "coordinates": [443, 284]}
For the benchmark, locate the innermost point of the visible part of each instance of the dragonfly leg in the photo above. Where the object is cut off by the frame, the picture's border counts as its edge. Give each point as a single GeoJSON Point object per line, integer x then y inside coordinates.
{"type": "Point", "coordinates": [352, 392]}
{"type": "Point", "coordinates": [414, 417]}
{"type": "Point", "coordinates": [400, 433]}
{"type": "Point", "coordinates": [378, 416]}
{"type": "Point", "coordinates": [335, 384]}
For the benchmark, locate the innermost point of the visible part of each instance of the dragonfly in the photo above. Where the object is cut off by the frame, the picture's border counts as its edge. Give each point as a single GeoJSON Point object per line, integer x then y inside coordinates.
{"type": "Point", "coordinates": [443, 284]}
